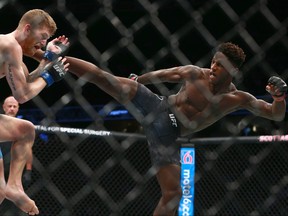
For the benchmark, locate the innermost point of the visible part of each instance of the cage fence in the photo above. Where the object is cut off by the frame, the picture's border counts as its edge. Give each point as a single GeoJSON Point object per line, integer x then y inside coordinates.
{"type": "Point", "coordinates": [79, 172]}
{"type": "Point", "coordinates": [95, 171]}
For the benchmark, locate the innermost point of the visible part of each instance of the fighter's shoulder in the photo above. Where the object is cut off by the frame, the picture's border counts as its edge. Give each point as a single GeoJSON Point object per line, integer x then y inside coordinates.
{"type": "Point", "coordinates": [192, 68]}
{"type": "Point", "coordinates": [8, 43]}
{"type": "Point", "coordinates": [194, 71]}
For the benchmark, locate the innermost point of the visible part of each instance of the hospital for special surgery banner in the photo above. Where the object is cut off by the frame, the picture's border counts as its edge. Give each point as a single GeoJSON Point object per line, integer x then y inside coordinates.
{"type": "Point", "coordinates": [186, 206]}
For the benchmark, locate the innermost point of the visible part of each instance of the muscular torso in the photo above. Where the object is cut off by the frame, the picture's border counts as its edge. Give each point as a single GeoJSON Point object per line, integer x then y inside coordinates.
{"type": "Point", "coordinates": [6, 57]}
{"type": "Point", "coordinates": [7, 42]}
{"type": "Point", "coordinates": [197, 107]}
{"type": "Point", "coordinates": [3, 55]}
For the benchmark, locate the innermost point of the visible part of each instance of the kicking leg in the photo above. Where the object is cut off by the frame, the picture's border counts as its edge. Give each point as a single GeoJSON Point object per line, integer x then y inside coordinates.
{"type": "Point", "coordinates": [169, 180]}
{"type": "Point", "coordinates": [120, 88]}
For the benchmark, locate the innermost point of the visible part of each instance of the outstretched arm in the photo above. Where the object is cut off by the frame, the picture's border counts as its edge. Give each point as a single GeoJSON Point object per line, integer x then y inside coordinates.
{"type": "Point", "coordinates": [278, 110]}
{"type": "Point", "coordinates": [172, 75]}
{"type": "Point", "coordinates": [275, 111]}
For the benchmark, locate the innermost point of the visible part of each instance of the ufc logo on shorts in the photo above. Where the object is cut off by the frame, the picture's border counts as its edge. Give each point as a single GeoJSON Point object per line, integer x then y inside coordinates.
{"type": "Point", "coordinates": [173, 120]}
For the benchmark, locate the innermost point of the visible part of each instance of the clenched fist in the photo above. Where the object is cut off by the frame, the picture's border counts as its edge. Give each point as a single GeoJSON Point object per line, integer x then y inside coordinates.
{"type": "Point", "coordinates": [277, 88]}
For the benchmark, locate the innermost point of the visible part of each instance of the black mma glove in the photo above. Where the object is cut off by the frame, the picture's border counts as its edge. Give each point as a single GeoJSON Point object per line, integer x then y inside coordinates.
{"type": "Point", "coordinates": [277, 88]}
{"type": "Point", "coordinates": [133, 76]}
{"type": "Point", "coordinates": [53, 73]}
{"type": "Point", "coordinates": [52, 56]}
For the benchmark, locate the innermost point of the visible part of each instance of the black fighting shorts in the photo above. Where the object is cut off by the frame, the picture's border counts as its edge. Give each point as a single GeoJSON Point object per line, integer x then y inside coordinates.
{"type": "Point", "coordinates": [160, 126]}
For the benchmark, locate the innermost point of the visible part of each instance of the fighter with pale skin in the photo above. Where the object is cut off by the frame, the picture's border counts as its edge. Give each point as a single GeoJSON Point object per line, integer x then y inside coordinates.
{"type": "Point", "coordinates": [34, 29]}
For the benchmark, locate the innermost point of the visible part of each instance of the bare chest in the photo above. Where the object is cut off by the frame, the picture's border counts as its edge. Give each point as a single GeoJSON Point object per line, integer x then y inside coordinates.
{"type": "Point", "coordinates": [201, 108]}
{"type": "Point", "coordinates": [196, 95]}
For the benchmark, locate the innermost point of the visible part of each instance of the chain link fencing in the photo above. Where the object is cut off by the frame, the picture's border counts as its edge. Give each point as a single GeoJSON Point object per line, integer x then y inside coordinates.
{"type": "Point", "coordinates": [101, 174]}
{"type": "Point", "coordinates": [85, 172]}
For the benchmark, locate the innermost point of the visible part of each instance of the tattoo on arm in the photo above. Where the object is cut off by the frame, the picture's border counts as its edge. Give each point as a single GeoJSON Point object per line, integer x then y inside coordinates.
{"type": "Point", "coordinates": [10, 77]}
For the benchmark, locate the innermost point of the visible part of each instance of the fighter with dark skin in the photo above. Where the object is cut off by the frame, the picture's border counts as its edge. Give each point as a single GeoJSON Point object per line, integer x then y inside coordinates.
{"type": "Point", "coordinates": [206, 95]}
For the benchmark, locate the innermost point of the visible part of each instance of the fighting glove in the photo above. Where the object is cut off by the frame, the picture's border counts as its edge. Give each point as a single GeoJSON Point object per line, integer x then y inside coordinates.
{"type": "Point", "coordinates": [53, 73]}
{"type": "Point", "coordinates": [133, 76]}
{"type": "Point", "coordinates": [277, 88]}
{"type": "Point", "coordinates": [58, 47]}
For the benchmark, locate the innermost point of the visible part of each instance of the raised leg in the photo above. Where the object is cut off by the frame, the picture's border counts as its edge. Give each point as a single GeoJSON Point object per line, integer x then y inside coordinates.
{"type": "Point", "coordinates": [120, 88]}
{"type": "Point", "coordinates": [22, 133]}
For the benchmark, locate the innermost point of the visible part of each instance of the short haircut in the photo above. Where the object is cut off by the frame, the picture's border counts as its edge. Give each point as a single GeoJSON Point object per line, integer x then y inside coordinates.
{"type": "Point", "coordinates": [38, 18]}
{"type": "Point", "coordinates": [233, 52]}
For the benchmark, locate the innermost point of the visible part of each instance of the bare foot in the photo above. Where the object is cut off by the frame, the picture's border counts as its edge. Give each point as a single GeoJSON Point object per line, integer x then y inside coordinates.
{"type": "Point", "coordinates": [21, 200]}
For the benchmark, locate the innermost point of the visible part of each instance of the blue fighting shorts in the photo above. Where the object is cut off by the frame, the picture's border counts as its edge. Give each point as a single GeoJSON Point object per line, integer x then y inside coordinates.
{"type": "Point", "coordinates": [160, 125]}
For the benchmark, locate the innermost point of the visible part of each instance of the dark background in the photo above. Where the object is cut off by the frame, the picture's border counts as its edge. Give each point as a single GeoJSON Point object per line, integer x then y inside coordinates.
{"type": "Point", "coordinates": [92, 175]}
{"type": "Point", "coordinates": [130, 36]}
